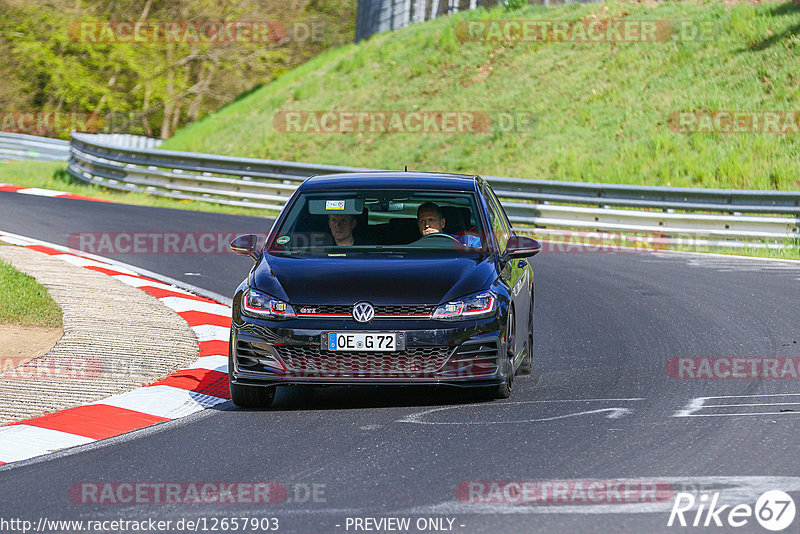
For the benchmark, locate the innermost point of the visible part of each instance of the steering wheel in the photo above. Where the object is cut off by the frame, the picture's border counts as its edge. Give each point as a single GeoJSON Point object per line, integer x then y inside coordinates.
{"type": "Point", "coordinates": [439, 235]}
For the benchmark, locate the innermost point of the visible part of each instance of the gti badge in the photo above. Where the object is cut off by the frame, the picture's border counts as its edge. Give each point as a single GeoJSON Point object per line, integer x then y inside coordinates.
{"type": "Point", "coordinates": [363, 312]}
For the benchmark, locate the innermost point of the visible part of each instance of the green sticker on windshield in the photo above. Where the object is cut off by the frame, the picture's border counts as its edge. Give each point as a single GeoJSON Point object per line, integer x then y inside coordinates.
{"type": "Point", "coordinates": [282, 240]}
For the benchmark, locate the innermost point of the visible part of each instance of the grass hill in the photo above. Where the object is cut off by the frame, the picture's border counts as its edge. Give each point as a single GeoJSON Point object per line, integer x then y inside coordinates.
{"type": "Point", "coordinates": [599, 111]}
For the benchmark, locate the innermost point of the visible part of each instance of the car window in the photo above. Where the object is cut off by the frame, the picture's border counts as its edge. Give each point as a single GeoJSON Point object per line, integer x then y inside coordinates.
{"type": "Point", "coordinates": [497, 220]}
{"type": "Point", "coordinates": [503, 217]}
{"type": "Point", "coordinates": [379, 221]}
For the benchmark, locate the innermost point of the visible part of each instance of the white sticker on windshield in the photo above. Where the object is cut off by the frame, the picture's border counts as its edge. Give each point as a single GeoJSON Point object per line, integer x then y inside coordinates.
{"type": "Point", "coordinates": [334, 204]}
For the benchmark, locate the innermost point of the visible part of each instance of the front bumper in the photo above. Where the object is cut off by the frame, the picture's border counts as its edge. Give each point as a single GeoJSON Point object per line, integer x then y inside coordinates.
{"type": "Point", "coordinates": [269, 353]}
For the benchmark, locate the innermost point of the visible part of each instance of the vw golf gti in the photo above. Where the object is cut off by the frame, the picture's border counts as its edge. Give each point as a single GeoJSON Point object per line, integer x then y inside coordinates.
{"type": "Point", "coordinates": [384, 278]}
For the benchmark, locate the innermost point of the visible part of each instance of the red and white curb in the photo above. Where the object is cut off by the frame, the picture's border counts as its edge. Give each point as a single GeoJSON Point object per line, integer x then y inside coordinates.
{"type": "Point", "coordinates": [9, 188]}
{"type": "Point", "coordinates": [200, 386]}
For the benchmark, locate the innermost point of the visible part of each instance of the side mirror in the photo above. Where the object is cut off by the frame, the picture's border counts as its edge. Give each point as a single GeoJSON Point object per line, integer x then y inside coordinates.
{"type": "Point", "coordinates": [522, 247]}
{"type": "Point", "coordinates": [246, 245]}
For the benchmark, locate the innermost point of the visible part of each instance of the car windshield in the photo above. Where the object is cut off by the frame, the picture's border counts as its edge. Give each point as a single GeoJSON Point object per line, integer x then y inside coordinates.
{"type": "Point", "coordinates": [381, 221]}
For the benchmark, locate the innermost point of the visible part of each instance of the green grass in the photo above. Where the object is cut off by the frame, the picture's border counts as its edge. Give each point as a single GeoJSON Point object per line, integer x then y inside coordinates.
{"type": "Point", "coordinates": [54, 176]}
{"type": "Point", "coordinates": [25, 302]}
{"type": "Point", "coordinates": [787, 252]}
{"type": "Point", "coordinates": [600, 109]}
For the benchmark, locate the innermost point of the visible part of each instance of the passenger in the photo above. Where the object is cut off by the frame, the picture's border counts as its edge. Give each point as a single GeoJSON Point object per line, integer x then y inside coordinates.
{"type": "Point", "coordinates": [341, 227]}
{"type": "Point", "coordinates": [430, 220]}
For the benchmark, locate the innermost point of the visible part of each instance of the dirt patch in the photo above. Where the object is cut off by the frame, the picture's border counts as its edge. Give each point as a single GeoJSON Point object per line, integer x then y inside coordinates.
{"type": "Point", "coordinates": [20, 344]}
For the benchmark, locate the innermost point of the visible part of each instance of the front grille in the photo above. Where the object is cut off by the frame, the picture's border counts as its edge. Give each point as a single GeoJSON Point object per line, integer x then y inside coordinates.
{"type": "Point", "coordinates": [414, 361]}
{"type": "Point", "coordinates": [340, 309]}
{"type": "Point", "coordinates": [410, 309]}
{"type": "Point", "coordinates": [330, 309]}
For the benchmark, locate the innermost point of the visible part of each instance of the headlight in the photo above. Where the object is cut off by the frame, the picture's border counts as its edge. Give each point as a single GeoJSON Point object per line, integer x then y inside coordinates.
{"type": "Point", "coordinates": [258, 304]}
{"type": "Point", "coordinates": [475, 306]}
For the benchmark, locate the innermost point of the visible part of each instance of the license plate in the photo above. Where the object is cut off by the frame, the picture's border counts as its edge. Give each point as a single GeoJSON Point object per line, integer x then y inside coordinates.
{"type": "Point", "coordinates": [362, 341]}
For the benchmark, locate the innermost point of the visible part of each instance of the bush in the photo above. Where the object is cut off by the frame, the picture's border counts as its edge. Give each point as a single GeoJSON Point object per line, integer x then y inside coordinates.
{"type": "Point", "coordinates": [513, 5]}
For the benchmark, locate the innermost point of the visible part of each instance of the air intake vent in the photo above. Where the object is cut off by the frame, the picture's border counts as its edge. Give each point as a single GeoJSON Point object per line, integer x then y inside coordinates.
{"type": "Point", "coordinates": [473, 359]}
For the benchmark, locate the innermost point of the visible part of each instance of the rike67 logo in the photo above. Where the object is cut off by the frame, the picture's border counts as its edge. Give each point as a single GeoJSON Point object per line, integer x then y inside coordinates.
{"type": "Point", "coordinates": [774, 510]}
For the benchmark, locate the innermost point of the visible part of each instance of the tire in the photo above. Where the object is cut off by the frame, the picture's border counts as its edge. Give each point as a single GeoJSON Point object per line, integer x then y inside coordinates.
{"type": "Point", "coordinates": [248, 396]}
{"type": "Point", "coordinates": [252, 396]}
{"type": "Point", "coordinates": [503, 391]}
{"type": "Point", "coordinates": [526, 367]}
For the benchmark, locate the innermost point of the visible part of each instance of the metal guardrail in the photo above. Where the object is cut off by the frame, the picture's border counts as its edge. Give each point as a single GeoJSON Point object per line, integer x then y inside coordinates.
{"type": "Point", "coordinates": [247, 182]}
{"type": "Point", "coordinates": [643, 196]}
{"type": "Point", "coordinates": [32, 148]}
{"type": "Point", "coordinates": [378, 16]}
{"type": "Point", "coordinates": [127, 140]}
{"type": "Point", "coordinates": [267, 184]}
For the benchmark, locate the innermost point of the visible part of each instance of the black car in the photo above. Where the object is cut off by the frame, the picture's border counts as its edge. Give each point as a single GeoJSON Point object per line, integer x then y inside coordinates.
{"type": "Point", "coordinates": [351, 288]}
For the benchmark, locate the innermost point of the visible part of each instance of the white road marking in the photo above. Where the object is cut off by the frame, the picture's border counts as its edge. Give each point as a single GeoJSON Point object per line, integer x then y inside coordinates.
{"type": "Point", "coordinates": [20, 442]}
{"type": "Point", "coordinates": [137, 281]}
{"type": "Point", "coordinates": [162, 401]}
{"type": "Point", "coordinates": [572, 400]}
{"type": "Point", "coordinates": [613, 412]}
{"type": "Point", "coordinates": [80, 261]}
{"type": "Point", "coordinates": [211, 363]}
{"type": "Point", "coordinates": [16, 240]}
{"type": "Point", "coordinates": [211, 332]}
{"type": "Point", "coordinates": [180, 304]}
{"type": "Point", "coordinates": [755, 404]}
{"type": "Point", "coordinates": [41, 192]}
{"type": "Point", "coordinates": [739, 264]}
{"type": "Point", "coordinates": [701, 403]}
{"type": "Point", "coordinates": [619, 412]}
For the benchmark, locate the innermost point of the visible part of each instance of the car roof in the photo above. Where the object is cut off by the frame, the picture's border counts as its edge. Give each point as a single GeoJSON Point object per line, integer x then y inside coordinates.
{"type": "Point", "coordinates": [391, 180]}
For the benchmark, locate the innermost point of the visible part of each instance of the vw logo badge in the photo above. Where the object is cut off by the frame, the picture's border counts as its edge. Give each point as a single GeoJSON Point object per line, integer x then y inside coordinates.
{"type": "Point", "coordinates": [363, 312]}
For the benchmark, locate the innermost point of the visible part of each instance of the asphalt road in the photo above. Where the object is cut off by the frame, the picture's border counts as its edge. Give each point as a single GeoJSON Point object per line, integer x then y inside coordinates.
{"type": "Point", "coordinates": [601, 408]}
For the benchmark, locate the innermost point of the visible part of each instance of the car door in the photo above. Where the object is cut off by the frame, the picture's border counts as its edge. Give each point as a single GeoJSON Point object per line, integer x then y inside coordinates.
{"type": "Point", "coordinates": [515, 272]}
{"type": "Point", "coordinates": [522, 274]}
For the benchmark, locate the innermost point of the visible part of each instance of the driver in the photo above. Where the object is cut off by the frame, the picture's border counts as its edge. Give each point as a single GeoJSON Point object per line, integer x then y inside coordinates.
{"type": "Point", "coordinates": [341, 227]}
{"type": "Point", "coordinates": [430, 220]}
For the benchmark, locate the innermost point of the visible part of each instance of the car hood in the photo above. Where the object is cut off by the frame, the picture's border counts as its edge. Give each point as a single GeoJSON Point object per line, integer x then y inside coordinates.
{"type": "Point", "coordinates": [422, 279]}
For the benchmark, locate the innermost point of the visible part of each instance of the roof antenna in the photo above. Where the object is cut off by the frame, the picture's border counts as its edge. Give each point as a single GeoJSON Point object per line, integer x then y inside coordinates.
{"type": "Point", "coordinates": [406, 168]}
